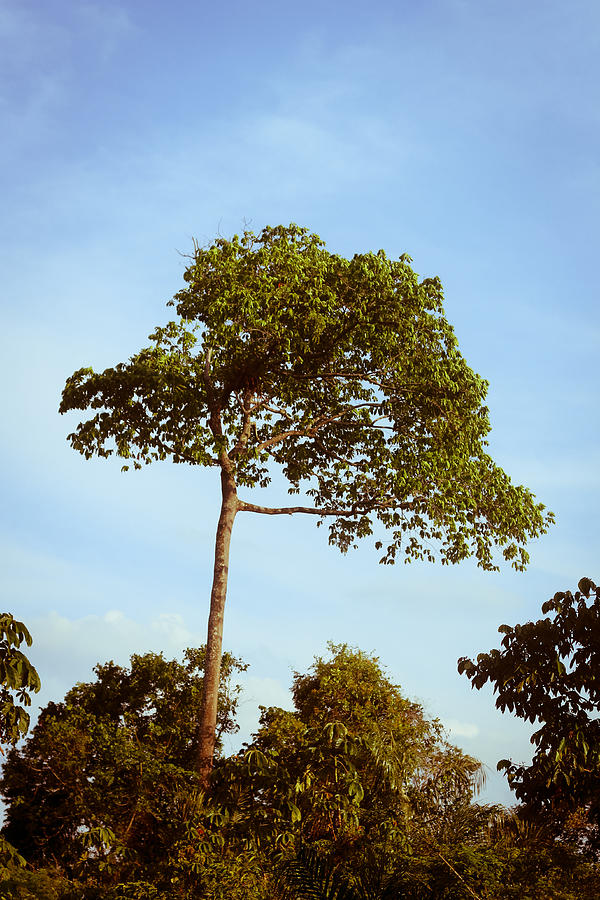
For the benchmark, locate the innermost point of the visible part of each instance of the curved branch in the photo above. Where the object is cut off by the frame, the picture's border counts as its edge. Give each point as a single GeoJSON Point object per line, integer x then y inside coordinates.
{"type": "Point", "coordinates": [277, 438]}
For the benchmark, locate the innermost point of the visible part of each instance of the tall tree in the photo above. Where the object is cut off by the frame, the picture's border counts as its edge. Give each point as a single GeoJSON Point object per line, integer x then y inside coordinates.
{"type": "Point", "coordinates": [346, 374]}
{"type": "Point", "coordinates": [355, 752]}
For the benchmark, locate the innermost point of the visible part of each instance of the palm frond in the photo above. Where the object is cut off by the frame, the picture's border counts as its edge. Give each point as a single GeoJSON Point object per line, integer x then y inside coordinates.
{"type": "Point", "coordinates": [311, 877]}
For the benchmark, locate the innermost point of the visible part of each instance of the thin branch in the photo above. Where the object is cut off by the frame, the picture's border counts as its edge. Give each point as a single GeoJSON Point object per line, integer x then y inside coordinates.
{"type": "Point", "coordinates": [275, 409]}
{"type": "Point", "coordinates": [131, 821]}
{"type": "Point", "coordinates": [277, 438]}
{"type": "Point", "coordinates": [311, 430]}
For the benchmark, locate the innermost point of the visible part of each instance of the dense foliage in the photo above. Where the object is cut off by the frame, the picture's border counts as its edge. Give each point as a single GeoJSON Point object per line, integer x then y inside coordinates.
{"type": "Point", "coordinates": [98, 779]}
{"type": "Point", "coordinates": [18, 680]}
{"type": "Point", "coordinates": [354, 795]}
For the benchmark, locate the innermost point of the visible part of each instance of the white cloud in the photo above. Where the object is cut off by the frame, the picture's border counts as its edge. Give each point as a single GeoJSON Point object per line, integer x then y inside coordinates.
{"type": "Point", "coordinates": [114, 635]}
{"type": "Point", "coordinates": [461, 729]}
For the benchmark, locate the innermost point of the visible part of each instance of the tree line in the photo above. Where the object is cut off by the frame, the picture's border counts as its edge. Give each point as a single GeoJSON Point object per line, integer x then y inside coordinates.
{"type": "Point", "coordinates": [354, 795]}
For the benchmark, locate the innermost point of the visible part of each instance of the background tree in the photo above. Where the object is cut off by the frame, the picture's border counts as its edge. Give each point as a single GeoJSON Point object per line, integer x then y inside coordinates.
{"type": "Point", "coordinates": [95, 785]}
{"type": "Point", "coordinates": [549, 672]}
{"type": "Point", "coordinates": [343, 372]}
{"type": "Point", "coordinates": [357, 795]}
{"type": "Point", "coordinates": [353, 786]}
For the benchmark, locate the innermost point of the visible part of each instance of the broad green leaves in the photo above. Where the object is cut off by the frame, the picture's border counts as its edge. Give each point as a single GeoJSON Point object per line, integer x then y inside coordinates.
{"type": "Point", "coordinates": [353, 795]}
{"type": "Point", "coordinates": [17, 677]}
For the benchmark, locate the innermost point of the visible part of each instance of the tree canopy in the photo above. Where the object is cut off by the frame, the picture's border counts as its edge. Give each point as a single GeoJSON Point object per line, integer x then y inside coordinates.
{"type": "Point", "coordinates": [343, 372]}
{"type": "Point", "coordinates": [18, 680]}
{"type": "Point", "coordinates": [352, 764]}
{"type": "Point", "coordinates": [101, 768]}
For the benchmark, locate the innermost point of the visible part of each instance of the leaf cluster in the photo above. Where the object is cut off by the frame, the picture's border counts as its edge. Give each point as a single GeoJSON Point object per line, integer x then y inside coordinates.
{"type": "Point", "coordinates": [18, 679]}
{"type": "Point", "coordinates": [355, 767]}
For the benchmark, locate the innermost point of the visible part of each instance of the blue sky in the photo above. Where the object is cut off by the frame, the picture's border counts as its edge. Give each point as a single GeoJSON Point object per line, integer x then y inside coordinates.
{"type": "Point", "coordinates": [463, 132]}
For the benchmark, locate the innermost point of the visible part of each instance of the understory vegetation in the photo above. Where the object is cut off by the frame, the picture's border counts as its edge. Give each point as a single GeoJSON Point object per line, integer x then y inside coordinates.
{"type": "Point", "coordinates": [353, 795]}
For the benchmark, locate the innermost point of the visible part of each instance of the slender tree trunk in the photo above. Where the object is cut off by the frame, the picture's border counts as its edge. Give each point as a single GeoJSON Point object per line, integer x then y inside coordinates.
{"type": "Point", "coordinates": [206, 733]}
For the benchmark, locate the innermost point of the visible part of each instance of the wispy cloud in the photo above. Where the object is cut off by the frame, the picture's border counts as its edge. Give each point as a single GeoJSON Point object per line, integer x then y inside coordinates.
{"type": "Point", "coordinates": [38, 64]}
{"type": "Point", "coordinates": [461, 729]}
{"type": "Point", "coordinates": [66, 649]}
{"type": "Point", "coordinates": [106, 26]}
{"type": "Point", "coordinates": [27, 36]}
